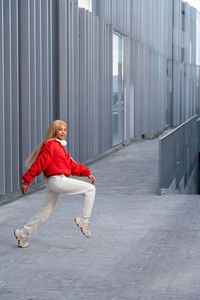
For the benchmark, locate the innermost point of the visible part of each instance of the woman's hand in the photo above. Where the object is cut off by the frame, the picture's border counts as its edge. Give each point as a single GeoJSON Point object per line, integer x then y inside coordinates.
{"type": "Point", "coordinates": [24, 188]}
{"type": "Point", "coordinates": [92, 178]}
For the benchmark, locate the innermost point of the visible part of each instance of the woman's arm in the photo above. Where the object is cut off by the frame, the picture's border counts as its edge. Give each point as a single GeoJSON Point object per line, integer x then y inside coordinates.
{"type": "Point", "coordinates": [43, 160]}
{"type": "Point", "coordinates": [24, 188]}
{"type": "Point", "coordinates": [92, 178]}
{"type": "Point", "coordinates": [81, 170]}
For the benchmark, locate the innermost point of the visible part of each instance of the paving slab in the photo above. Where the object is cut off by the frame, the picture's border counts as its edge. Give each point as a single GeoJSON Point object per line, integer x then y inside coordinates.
{"type": "Point", "coordinates": [143, 246]}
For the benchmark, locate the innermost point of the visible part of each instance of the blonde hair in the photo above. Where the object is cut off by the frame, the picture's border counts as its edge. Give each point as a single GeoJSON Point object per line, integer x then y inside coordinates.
{"type": "Point", "coordinates": [50, 134]}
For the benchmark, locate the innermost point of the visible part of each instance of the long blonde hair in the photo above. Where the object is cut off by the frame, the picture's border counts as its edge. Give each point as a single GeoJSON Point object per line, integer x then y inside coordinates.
{"type": "Point", "coordinates": [50, 134]}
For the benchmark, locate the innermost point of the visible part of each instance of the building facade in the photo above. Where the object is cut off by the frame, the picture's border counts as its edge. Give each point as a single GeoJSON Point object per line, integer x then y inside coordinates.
{"type": "Point", "coordinates": [114, 71]}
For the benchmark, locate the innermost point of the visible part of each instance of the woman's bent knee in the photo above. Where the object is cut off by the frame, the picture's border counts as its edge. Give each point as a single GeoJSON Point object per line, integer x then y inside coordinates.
{"type": "Point", "coordinates": [92, 189]}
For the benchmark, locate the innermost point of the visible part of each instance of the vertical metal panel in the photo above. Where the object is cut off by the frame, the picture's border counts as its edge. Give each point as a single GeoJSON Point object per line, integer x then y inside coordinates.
{"type": "Point", "coordinates": [8, 97]}
{"type": "Point", "coordinates": [138, 90]}
{"type": "Point", "coordinates": [33, 86]}
{"type": "Point", "coordinates": [82, 87]}
{"type": "Point", "coordinates": [45, 65]}
{"type": "Point", "coordinates": [74, 111]}
{"type": "Point", "coordinates": [128, 17]}
{"type": "Point", "coordinates": [101, 87]}
{"type": "Point", "coordinates": [15, 97]}
{"type": "Point", "coordinates": [151, 91]}
{"type": "Point", "coordinates": [151, 10]}
{"type": "Point", "coordinates": [39, 70]}
{"type": "Point", "coordinates": [63, 57]}
{"type": "Point", "coordinates": [143, 21]}
{"type": "Point", "coordinates": [127, 89]}
{"type": "Point", "coordinates": [170, 29]}
{"type": "Point", "coordinates": [93, 86]}
{"type": "Point", "coordinates": [120, 16]}
{"type": "Point", "coordinates": [71, 100]}
{"type": "Point", "coordinates": [55, 60]}
{"type": "Point", "coordinates": [2, 96]}
{"type": "Point", "coordinates": [25, 105]}
{"type": "Point", "coordinates": [110, 92]}
{"type": "Point", "coordinates": [108, 79]}
{"type": "Point", "coordinates": [50, 45]}
{"type": "Point", "coordinates": [89, 87]}
{"type": "Point", "coordinates": [159, 27]}
{"type": "Point", "coordinates": [132, 91]}
{"type": "Point", "coordinates": [76, 85]}
{"type": "Point", "coordinates": [96, 85]}
{"type": "Point", "coordinates": [114, 13]}
{"type": "Point", "coordinates": [145, 109]}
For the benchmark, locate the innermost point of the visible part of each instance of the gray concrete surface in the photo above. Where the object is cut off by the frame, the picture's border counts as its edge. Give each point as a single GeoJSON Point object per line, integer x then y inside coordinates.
{"type": "Point", "coordinates": [143, 246]}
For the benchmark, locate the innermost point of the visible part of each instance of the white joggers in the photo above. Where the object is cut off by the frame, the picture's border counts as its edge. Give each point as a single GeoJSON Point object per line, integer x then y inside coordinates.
{"type": "Point", "coordinates": [55, 186]}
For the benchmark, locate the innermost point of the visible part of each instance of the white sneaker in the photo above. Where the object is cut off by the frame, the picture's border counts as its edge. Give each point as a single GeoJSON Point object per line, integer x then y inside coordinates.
{"type": "Point", "coordinates": [22, 239]}
{"type": "Point", "coordinates": [84, 226]}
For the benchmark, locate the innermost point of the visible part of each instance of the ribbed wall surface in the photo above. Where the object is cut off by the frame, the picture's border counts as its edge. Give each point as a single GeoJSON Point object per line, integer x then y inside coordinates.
{"type": "Point", "coordinates": [56, 62]}
{"type": "Point", "coordinates": [28, 83]}
{"type": "Point", "coordinates": [150, 29]}
{"type": "Point", "coordinates": [179, 159]}
{"type": "Point", "coordinates": [86, 81]}
{"type": "Point", "coordinates": [148, 25]}
{"type": "Point", "coordinates": [186, 90]}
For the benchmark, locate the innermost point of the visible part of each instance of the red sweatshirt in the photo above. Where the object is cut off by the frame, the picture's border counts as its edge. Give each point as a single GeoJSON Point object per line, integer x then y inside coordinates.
{"type": "Point", "coordinates": [54, 160]}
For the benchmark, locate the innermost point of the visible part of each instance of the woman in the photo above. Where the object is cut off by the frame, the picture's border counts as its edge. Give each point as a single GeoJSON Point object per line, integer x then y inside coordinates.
{"type": "Point", "coordinates": [56, 164]}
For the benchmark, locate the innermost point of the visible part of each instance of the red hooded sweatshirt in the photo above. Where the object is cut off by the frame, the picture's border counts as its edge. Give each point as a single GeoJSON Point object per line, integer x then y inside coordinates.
{"type": "Point", "coordinates": [54, 160]}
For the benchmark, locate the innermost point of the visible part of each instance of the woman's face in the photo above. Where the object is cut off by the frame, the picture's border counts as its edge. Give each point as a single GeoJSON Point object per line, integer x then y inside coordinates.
{"type": "Point", "coordinates": [62, 132]}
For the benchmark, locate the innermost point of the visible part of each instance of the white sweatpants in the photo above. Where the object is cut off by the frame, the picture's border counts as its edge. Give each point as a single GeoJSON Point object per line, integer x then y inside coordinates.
{"type": "Point", "coordinates": [55, 186]}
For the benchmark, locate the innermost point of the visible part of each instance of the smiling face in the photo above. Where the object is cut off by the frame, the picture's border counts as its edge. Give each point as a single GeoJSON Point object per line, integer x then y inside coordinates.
{"type": "Point", "coordinates": [62, 132]}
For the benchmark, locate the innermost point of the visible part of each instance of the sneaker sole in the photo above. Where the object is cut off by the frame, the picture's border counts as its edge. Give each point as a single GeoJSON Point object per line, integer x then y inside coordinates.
{"type": "Point", "coordinates": [18, 241]}
{"type": "Point", "coordinates": [81, 228]}
{"type": "Point", "coordinates": [16, 236]}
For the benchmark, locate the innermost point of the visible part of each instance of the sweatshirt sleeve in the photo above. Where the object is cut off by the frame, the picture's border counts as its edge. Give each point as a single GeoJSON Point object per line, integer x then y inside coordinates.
{"type": "Point", "coordinates": [43, 160]}
{"type": "Point", "coordinates": [79, 169]}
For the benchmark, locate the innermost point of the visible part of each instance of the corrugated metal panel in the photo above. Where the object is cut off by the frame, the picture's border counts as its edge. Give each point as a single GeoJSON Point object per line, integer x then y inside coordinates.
{"type": "Point", "coordinates": [27, 84]}
{"type": "Point", "coordinates": [132, 89]}
{"type": "Point", "coordinates": [148, 25]}
{"type": "Point", "coordinates": [90, 64]}
{"type": "Point", "coordinates": [82, 87]}
{"type": "Point", "coordinates": [35, 84]}
{"type": "Point", "coordinates": [153, 27]}
{"type": "Point", "coordinates": [73, 77]}
{"type": "Point", "coordinates": [184, 58]}
{"type": "Point", "coordinates": [145, 86]}
{"type": "Point", "coordinates": [63, 58]}
{"type": "Point", "coordinates": [8, 96]}
{"type": "Point", "coordinates": [2, 96]}
{"type": "Point", "coordinates": [15, 97]}
{"type": "Point", "coordinates": [181, 148]}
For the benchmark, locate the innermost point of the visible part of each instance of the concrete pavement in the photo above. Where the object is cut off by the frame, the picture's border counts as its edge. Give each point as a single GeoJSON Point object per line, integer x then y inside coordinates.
{"type": "Point", "coordinates": [143, 246]}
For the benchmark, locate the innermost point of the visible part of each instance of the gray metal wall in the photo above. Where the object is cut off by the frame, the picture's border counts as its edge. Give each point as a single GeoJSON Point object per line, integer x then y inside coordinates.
{"type": "Point", "coordinates": [147, 26]}
{"type": "Point", "coordinates": [56, 62]}
{"type": "Point", "coordinates": [179, 159]}
{"type": "Point", "coordinates": [186, 67]}
{"type": "Point", "coordinates": [28, 83]}
{"type": "Point", "coordinates": [85, 80]}
{"type": "Point", "coordinates": [165, 93]}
